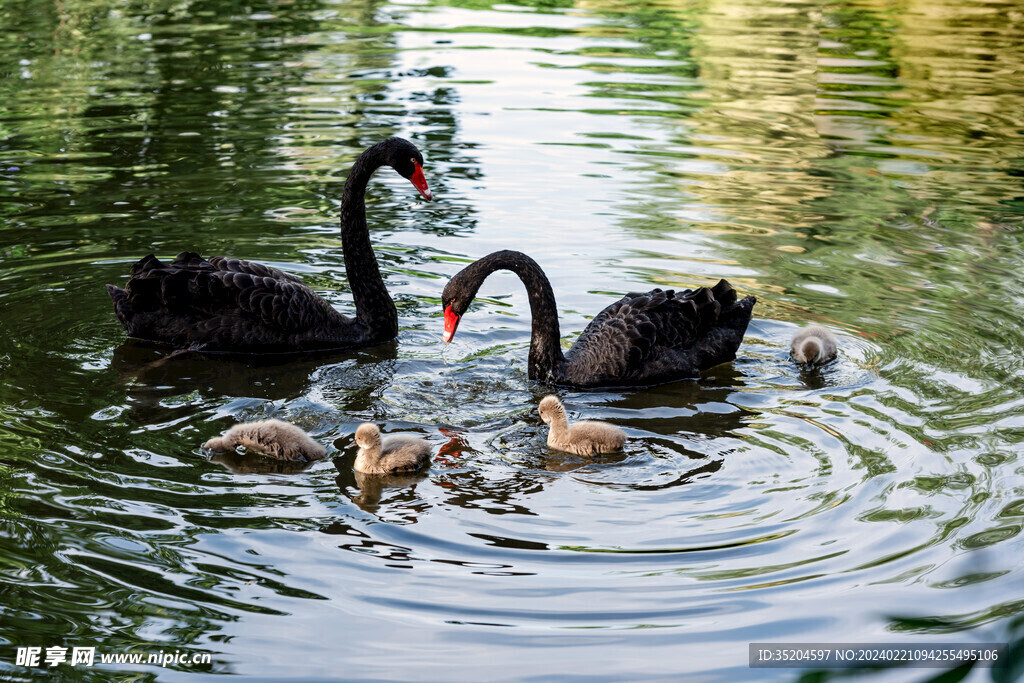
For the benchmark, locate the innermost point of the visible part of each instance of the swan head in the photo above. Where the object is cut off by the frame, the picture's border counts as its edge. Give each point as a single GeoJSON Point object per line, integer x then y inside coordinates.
{"type": "Point", "coordinates": [367, 435]}
{"type": "Point", "coordinates": [455, 299]}
{"type": "Point", "coordinates": [405, 158]}
{"type": "Point", "coordinates": [460, 291]}
{"type": "Point", "coordinates": [549, 408]}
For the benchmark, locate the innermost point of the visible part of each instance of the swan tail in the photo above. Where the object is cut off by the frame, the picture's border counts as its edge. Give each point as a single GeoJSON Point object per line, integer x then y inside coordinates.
{"type": "Point", "coordinates": [148, 262]}
{"type": "Point", "coordinates": [735, 313]}
{"type": "Point", "coordinates": [121, 307]}
{"type": "Point", "coordinates": [724, 294]}
{"type": "Point", "coordinates": [723, 320]}
{"type": "Point", "coordinates": [147, 305]}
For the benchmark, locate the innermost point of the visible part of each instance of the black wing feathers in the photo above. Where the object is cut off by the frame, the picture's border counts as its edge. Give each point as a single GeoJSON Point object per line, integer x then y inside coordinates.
{"type": "Point", "coordinates": [659, 334]}
{"type": "Point", "coordinates": [221, 304]}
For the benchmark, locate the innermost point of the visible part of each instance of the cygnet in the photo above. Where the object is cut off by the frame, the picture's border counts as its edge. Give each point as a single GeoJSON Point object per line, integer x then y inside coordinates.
{"type": "Point", "coordinates": [813, 345]}
{"type": "Point", "coordinates": [393, 454]}
{"type": "Point", "coordinates": [275, 438]}
{"type": "Point", "coordinates": [582, 438]}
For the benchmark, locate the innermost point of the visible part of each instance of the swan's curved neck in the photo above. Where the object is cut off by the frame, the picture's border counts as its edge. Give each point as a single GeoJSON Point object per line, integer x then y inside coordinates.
{"type": "Point", "coordinates": [546, 358]}
{"type": "Point", "coordinates": [374, 307]}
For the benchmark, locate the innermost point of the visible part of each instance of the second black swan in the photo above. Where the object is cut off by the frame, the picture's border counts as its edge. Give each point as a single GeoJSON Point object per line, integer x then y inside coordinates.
{"type": "Point", "coordinates": [234, 306]}
{"type": "Point", "coordinates": [641, 339]}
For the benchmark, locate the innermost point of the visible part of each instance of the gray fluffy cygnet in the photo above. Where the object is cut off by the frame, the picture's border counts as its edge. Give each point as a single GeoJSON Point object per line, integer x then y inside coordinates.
{"type": "Point", "coordinates": [275, 438]}
{"type": "Point", "coordinates": [582, 438]}
{"type": "Point", "coordinates": [814, 344]}
{"type": "Point", "coordinates": [393, 454]}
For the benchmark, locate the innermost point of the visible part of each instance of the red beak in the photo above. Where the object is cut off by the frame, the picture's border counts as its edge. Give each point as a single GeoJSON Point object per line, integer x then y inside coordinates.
{"type": "Point", "coordinates": [451, 321]}
{"type": "Point", "coordinates": [420, 182]}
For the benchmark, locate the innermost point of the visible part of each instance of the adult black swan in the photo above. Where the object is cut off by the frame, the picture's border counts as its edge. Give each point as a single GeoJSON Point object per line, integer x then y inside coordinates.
{"type": "Point", "coordinates": [640, 339]}
{"type": "Point", "coordinates": [228, 305]}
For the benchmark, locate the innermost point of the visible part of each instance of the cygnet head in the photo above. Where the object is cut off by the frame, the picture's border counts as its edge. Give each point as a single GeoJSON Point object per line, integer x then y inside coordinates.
{"type": "Point", "coordinates": [813, 344]}
{"type": "Point", "coordinates": [550, 408]}
{"type": "Point", "coordinates": [367, 435]}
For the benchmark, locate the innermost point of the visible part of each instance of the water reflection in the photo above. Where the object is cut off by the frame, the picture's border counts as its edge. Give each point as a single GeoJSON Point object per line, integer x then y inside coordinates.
{"type": "Point", "coordinates": [401, 488]}
{"type": "Point", "coordinates": [250, 463]}
{"type": "Point", "coordinates": [145, 369]}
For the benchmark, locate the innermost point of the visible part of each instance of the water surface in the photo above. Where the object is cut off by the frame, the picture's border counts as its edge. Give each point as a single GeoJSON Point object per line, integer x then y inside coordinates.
{"type": "Point", "coordinates": [850, 164]}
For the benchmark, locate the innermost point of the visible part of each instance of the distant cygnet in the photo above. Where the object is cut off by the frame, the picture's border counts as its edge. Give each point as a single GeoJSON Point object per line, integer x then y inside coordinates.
{"type": "Point", "coordinates": [393, 454]}
{"type": "Point", "coordinates": [583, 438]}
{"type": "Point", "coordinates": [271, 437]}
{"type": "Point", "coordinates": [813, 344]}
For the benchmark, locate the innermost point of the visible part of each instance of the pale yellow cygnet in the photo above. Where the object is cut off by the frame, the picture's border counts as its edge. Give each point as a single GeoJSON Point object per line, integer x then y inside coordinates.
{"type": "Point", "coordinates": [582, 438]}
{"type": "Point", "coordinates": [393, 454]}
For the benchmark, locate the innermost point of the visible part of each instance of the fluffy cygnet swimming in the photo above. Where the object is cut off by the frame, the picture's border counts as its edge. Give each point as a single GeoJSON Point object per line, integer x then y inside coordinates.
{"type": "Point", "coordinates": [583, 438]}
{"type": "Point", "coordinates": [393, 454]}
{"type": "Point", "coordinates": [270, 437]}
{"type": "Point", "coordinates": [813, 344]}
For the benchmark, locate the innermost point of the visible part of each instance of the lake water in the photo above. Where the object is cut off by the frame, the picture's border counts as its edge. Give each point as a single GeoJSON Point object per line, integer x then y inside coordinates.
{"type": "Point", "coordinates": [856, 164]}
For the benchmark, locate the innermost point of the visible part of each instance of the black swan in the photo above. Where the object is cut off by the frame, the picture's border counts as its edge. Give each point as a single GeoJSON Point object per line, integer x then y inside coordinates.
{"type": "Point", "coordinates": [394, 454]}
{"type": "Point", "coordinates": [582, 438]}
{"type": "Point", "coordinates": [640, 339]}
{"type": "Point", "coordinates": [813, 345]}
{"type": "Point", "coordinates": [228, 305]}
{"type": "Point", "coordinates": [275, 438]}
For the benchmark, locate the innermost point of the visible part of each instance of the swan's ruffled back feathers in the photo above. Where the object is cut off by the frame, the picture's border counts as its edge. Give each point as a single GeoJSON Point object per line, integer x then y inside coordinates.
{"type": "Point", "coordinates": [659, 334]}
{"type": "Point", "coordinates": [222, 304]}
